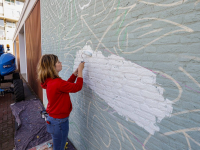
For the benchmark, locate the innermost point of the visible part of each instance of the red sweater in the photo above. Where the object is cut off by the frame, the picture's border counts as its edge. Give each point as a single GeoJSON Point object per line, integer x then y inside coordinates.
{"type": "Point", "coordinates": [57, 90]}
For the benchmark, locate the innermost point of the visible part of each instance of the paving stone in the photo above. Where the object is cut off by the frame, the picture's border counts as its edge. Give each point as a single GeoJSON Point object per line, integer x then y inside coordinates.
{"type": "Point", "coordinates": [6, 120]}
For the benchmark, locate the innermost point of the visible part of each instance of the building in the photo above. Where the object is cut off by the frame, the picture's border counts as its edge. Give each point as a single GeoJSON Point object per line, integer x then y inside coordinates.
{"type": "Point", "coordinates": [27, 43]}
{"type": "Point", "coordinates": [141, 85]}
{"type": "Point", "coordinates": [10, 11]}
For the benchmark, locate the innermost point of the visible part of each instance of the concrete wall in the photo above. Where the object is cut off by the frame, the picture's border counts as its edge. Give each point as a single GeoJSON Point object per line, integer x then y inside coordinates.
{"type": "Point", "coordinates": [141, 85]}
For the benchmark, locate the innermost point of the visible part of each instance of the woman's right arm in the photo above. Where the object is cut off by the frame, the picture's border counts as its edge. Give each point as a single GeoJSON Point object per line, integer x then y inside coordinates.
{"type": "Point", "coordinates": [80, 69]}
{"type": "Point", "coordinates": [69, 87]}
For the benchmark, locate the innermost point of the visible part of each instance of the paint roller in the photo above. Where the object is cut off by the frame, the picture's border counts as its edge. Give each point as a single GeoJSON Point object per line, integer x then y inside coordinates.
{"type": "Point", "coordinates": [87, 53]}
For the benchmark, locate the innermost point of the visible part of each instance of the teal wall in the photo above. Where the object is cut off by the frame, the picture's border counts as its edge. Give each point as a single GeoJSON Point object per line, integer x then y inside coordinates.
{"type": "Point", "coordinates": [157, 42]}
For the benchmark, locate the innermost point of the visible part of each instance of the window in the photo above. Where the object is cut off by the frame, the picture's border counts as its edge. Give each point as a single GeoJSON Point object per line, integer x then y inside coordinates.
{"type": "Point", "coordinates": [10, 33]}
{"type": "Point", "coordinates": [10, 2]}
{"type": "Point", "coordinates": [1, 9]}
{"type": "Point", "coordinates": [18, 2]}
{"type": "Point", "coordinates": [1, 22]}
{"type": "Point", "coordinates": [17, 14]}
{"type": "Point", "coordinates": [10, 24]}
{"type": "Point", "coordinates": [2, 35]}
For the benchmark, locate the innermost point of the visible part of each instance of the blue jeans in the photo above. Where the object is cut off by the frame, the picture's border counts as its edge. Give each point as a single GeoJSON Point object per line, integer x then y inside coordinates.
{"type": "Point", "coordinates": [59, 129]}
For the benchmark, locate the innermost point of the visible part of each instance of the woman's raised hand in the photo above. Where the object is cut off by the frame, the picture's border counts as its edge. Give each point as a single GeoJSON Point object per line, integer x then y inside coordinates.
{"type": "Point", "coordinates": [80, 69]}
{"type": "Point", "coordinates": [81, 66]}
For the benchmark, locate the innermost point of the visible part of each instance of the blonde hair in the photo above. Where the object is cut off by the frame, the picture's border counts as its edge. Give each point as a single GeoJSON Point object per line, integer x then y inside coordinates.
{"type": "Point", "coordinates": [46, 67]}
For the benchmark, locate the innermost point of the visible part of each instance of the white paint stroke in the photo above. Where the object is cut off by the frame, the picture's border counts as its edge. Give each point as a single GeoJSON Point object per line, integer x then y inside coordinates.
{"type": "Point", "coordinates": [126, 87]}
{"type": "Point", "coordinates": [75, 44]}
{"type": "Point", "coordinates": [185, 112]}
{"type": "Point", "coordinates": [182, 130]}
{"type": "Point", "coordinates": [76, 10]}
{"type": "Point", "coordinates": [164, 5]}
{"type": "Point", "coordinates": [65, 8]}
{"type": "Point", "coordinates": [123, 131]}
{"type": "Point", "coordinates": [109, 27]}
{"type": "Point", "coordinates": [192, 57]}
{"type": "Point", "coordinates": [108, 134]}
{"type": "Point", "coordinates": [145, 26]}
{"type": "Point", "coordinates": [83, 21]}
{"type": "Point", "coordinates": [127, 40]}
{"type": "Point", "coordinates": [184, 71]}
{"type": "Point", "coordinates": [187, 139]}
{"type": "Point", "coordinates": [105, 16]}
{"type": "Point", "coordinates": [186, 135]}
{"type": "Point", "coordinates": [72, 37]}
{"type": "Point", "coordinates": [108, 125]}
{"type": "Point", "coordinates": [70, 31]}
{"type": "Point", "coordinates": [115, 51]}
{"type": "Point", "coordinates": [128, 7]}
{"type": "Point", "coordinates": [99, 13]}
{"type": "Point", "coordinates": [94, 6]}
{"type": "Point", "coordinates": [131, 9]}
{"type": "Point", "coordinates": [84, 6]}
{"type": "Point", "coordinates": [71, 12]}
{"type": "Point", "coordinates": [68, 14]}
{"type": "Point", "coordinates": [154, 31]}
{"type": "Point", "coordinates": [183, 28]}
{"type": "Point", "coordinates": [175, 82]}
{"type": "Point", "coordinates": [103, 4]}
{"type": "Point", "coordinates": [145, 142]}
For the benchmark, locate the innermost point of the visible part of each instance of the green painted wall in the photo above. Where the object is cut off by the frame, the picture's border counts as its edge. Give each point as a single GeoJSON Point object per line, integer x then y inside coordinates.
{"type": "Point", "coordinates": [142, 84]}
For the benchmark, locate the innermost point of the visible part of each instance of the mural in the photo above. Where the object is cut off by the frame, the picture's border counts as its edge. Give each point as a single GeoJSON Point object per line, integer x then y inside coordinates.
{"type": "Point", "coordinates": [141, 85]}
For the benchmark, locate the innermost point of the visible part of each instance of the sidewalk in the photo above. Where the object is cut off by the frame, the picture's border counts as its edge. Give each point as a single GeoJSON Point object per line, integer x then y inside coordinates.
{"type": "Point", "coordinates": [7, 120]}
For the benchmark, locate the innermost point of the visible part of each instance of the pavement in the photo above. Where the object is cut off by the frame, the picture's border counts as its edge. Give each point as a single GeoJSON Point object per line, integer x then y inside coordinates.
{"type": "Point", "coordinates": [7, 120]}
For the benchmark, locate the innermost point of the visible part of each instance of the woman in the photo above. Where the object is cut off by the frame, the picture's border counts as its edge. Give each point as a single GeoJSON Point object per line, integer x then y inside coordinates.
{"type": "Point", "coordinates": [59, 104]}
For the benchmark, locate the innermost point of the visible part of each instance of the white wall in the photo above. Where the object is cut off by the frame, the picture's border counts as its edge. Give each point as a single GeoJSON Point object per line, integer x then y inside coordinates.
{"type": "Point", "coordinates": [23, 65]}
{"type": "Point", "coordinates": [15, 53]}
